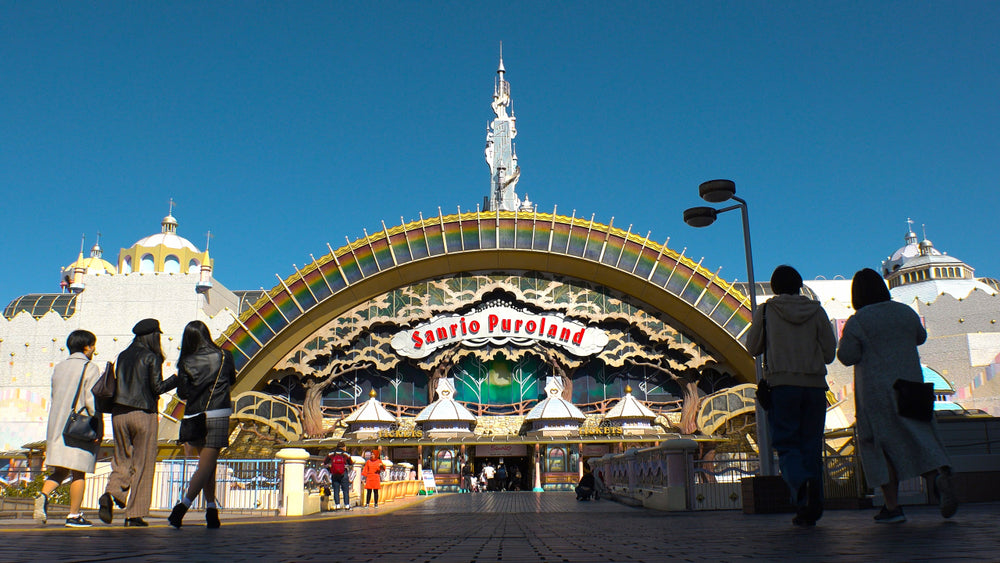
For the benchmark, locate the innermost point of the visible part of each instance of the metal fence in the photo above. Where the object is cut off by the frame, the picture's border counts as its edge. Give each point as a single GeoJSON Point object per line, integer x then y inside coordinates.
{"type": "Point", "coordinates": [242, 485]}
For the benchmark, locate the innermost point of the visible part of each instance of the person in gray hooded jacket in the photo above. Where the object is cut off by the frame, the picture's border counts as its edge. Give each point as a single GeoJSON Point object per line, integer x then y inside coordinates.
{"type": "Point", "coordinates": [795, 337]}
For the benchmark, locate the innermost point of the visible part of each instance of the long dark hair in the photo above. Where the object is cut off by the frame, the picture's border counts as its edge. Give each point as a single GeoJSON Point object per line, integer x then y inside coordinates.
{"type": "Point", "coordinates": [868, 288]}
{"type": "Point", "coordinates": [151, 341]}
{"type": "Point", "coordinates": [196, 336]}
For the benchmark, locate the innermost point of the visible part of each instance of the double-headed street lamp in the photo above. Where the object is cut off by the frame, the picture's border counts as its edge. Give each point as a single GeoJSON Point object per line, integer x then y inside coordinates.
{"type": "Point", "coordinates": [718, 191]}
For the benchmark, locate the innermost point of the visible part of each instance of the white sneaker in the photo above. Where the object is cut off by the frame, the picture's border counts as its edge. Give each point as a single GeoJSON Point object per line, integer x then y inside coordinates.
{"type": "Point", "coordinates": [336, 507]}
{"type": "Point", "coordinates": [41, 508]}
{"type": "Point", "coordinates": [347, 507]}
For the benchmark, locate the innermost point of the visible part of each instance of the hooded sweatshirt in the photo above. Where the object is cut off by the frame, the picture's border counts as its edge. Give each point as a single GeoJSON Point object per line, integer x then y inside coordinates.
{"type": "Point", "coordinates": [800, 341]}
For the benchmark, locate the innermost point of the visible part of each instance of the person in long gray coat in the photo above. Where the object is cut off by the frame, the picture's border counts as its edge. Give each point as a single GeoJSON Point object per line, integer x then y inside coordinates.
{"type": "Point", "coordinates": [881, 341]}
{"type": "Point", "coordinates": [65, 460]}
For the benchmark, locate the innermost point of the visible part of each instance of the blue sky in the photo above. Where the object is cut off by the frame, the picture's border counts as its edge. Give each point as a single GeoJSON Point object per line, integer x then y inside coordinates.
{"type": "Point", "coordinates": [284, 126]}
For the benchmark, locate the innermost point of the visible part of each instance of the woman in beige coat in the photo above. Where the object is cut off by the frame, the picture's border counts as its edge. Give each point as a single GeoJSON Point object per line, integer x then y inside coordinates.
{"type": "Point", "coordinates": [77, 460]}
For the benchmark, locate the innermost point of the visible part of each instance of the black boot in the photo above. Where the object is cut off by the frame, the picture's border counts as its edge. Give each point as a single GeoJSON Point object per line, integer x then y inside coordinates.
{"type": "Point", "coordinates": [177, 514]}
{"type": "Point", "coordinates": [212, 517]}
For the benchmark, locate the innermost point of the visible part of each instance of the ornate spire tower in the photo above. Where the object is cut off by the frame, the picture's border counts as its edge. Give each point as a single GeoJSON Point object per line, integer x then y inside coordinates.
{"type": "Point", "coordinates": [500, 155]}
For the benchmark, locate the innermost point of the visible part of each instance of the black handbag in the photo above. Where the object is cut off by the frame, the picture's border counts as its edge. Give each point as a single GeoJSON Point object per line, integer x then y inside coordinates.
{"type": "Point", "coordinates": [194, 428]}
{"type": "Point", "coordinates": [82, 430]}
{"type": "Point", "coordinates": [105, 388]}
{"type": "Point", "coordinates": [914, 400]}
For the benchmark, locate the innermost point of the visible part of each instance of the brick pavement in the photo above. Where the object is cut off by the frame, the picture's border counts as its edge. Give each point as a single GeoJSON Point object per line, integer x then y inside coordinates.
{"type": "Point", "coordinates": [515, 527]}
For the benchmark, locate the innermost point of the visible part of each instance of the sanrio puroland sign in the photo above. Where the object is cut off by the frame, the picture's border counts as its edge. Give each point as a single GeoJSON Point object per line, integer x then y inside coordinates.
{"type": "Point", "coordinates": [499, 325]}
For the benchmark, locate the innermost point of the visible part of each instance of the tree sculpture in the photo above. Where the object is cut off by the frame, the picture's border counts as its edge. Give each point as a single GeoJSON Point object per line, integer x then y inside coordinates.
{"type": "Point", "coordinates": [671, 356]}
{"type": "Point", "coordinates": [445, 364]}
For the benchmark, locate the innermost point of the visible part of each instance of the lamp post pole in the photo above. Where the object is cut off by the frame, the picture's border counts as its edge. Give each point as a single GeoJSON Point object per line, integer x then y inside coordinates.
{"type": "Point", "coordinates": [718, 191]}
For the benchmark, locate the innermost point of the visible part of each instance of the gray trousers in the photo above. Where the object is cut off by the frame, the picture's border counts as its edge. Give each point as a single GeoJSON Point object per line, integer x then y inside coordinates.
{"type": "Point", "coordinates": [134, 462]}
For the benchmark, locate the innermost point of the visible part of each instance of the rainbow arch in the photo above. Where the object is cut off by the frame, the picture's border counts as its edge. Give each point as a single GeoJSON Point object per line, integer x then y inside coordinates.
{"type": "Point", "coordinates": [698, 300]}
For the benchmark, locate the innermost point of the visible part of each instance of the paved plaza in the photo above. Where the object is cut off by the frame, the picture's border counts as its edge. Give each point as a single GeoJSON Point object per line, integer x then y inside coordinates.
{"type": "Point", "coordinates": [515, 527]}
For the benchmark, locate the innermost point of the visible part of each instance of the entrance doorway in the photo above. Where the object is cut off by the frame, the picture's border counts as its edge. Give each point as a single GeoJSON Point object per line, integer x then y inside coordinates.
{"type": "Point", "coordinates": [510, 463]}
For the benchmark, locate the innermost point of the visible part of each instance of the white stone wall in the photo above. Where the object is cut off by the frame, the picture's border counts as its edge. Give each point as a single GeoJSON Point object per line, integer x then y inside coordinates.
{"type": "Point", "coordinates": [109, 307]}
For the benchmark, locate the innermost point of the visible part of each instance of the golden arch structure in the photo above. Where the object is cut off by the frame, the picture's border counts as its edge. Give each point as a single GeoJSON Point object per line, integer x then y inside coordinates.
{"type": "Point", "coordinates": [531, 259]}
{"type": "Point", "coordinates": [702, 303]}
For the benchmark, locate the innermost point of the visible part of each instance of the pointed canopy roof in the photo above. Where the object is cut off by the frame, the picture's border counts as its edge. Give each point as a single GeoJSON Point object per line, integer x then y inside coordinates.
{"type": "Point", "coordinates": [629, 407]}
{"type": "Point", "coordinates": [445, 408]}
{"type": "Point", "coordinates": [554, 407]}
{"type": "Point", "coordinates": [371, 411]}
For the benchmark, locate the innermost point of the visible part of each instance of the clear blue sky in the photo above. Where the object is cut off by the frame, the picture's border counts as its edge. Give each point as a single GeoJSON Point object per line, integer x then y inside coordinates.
{"type": "Point", "coordinates": [281, 126]}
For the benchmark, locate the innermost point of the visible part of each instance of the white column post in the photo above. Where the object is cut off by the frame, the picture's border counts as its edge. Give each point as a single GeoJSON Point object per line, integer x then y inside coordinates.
{"type": "Point", "coordinates": [293, 482]}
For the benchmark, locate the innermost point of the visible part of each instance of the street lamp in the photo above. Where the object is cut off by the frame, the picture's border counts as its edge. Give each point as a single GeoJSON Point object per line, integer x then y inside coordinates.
{"type": "Point", "coordinates": [718, 191]}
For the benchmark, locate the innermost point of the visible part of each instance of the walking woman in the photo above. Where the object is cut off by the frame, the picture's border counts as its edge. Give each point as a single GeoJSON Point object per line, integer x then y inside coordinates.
{"type": "Point", "coordinates": [881, 341]}
{"type": "Point", "coordinates": [793, 334]}
{"type": "Point", "coordinates": [72, 380]}
{"type": "Point", "coordinates": [134, 422]}
{"type": "Point", "coordinates": [373, 481]}
{"type": "Point", "coordinates": [206, 375]}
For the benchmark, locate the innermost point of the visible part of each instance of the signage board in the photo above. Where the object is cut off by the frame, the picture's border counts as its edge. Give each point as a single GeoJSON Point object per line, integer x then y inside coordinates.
{"type": "Point", "coordinates": [428, 479]}
{"type": "Point", "coordinates": [501, 450]}
{"type": "Point", "coordinates": [498, 325]}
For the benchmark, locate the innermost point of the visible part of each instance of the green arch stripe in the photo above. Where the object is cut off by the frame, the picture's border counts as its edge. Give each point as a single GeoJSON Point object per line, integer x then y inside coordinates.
{"type": "Point", "coordinates": [642, 259]}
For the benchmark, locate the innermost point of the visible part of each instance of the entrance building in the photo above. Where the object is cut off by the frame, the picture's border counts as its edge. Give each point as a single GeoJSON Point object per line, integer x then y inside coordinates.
{"type": "Point", "coordinates": [504, 333]}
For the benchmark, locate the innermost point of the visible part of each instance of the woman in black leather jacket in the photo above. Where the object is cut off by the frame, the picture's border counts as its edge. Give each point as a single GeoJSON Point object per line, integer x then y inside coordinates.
{"type": "Point", "coordinates": [205, 377]}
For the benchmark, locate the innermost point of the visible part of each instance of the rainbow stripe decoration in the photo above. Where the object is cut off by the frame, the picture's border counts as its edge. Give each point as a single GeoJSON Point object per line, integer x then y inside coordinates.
{"type": "Point", "coordinates": [486, 231]}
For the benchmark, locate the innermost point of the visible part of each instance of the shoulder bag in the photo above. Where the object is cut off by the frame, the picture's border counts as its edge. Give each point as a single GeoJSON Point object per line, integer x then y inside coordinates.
{"type": "Point", "coordinates": [105, 388]}
{"type": "Point", "coordinates": [763, 387]}
{"type": "Point", "coordinates": [82, 430]}
{"type": "Point", "coordinates": [914, 400]}
{"type": "Point", "coordinates": [195, 428]}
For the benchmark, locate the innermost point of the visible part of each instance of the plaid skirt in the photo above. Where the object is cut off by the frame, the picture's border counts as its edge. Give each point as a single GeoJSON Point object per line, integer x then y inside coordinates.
{"type": "Point", "coordinates": [217, 435]}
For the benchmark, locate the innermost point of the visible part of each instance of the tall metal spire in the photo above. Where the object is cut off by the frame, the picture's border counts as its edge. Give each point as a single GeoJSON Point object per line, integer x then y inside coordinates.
{"type": "Point", "coordinates": [499, 153]}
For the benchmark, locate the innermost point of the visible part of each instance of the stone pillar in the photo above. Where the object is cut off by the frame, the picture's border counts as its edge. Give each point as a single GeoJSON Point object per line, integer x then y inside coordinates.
{"type": "Point", "coordinates": [293, 481]}
{"type": "Point", "coordinates": [357, 463]}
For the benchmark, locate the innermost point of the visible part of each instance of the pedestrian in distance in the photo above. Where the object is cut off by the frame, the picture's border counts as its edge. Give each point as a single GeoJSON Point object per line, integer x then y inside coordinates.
{"type": "Point", "coordinates": [468, 475]}
{"type": "Point", "coordinates": [880, 340]}
{"type": "Point", "coordinates": [134, 422]}
{"type": "Point", "coordinates": [72, 380]}
{"type": "Point", "coordinates": [793, 334]}
{"type": "Point", "coordinates": [340, 463]}
{"type": "Point", "coordinates": [586, 487]}
{"type": "Point", "coordinates": [372, 472]}
{"type": "Point", "coordinates": [206, 375]}
{"type": "Point", "coordinates": [501, 476]}
{"type": "Point", "coordinates": [489, 473]}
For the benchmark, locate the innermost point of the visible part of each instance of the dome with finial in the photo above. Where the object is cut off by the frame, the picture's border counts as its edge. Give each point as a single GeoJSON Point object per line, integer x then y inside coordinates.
{"type": "Point", "coordinates": [919, 271]}
{"type": "Point", "coordinates": [446, 417]}
{"type": "Point", "coordinates": [905, 253]}
{"type": "Point", "coordinates": [555, 415]}
{"type": "Point", "coordinates": [370, 418]}
{"type": "Point", "coordinates": [445, 408]}
{"type": "Point", "coordinates": [163, 252]}
{"type": "Point", "coordinates": [167, 237]}
{"type": "Point", "coordinates": [633, 416]}
{"type": "Point", "coordinates": [93, 264]}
